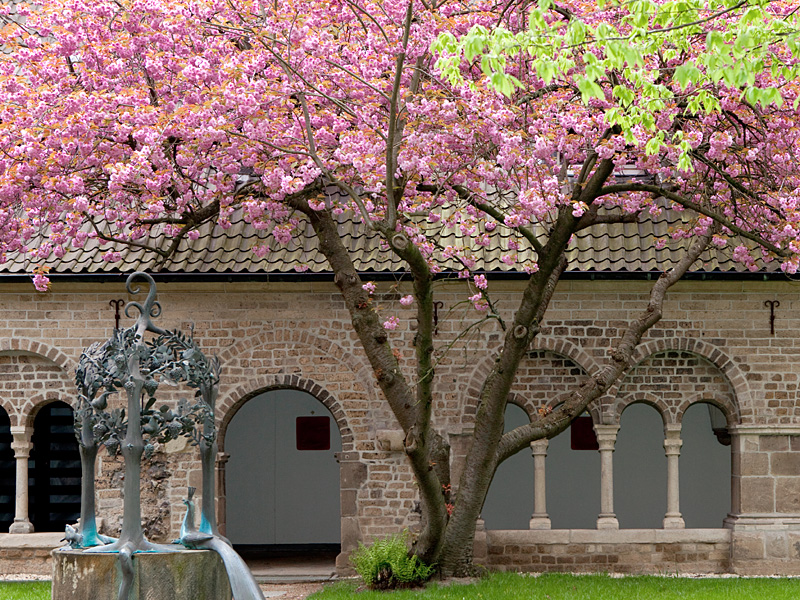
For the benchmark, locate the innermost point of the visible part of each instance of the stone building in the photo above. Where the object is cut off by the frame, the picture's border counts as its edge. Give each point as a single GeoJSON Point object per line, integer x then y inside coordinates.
{"type": "Point", "coordinates": [690, 464]}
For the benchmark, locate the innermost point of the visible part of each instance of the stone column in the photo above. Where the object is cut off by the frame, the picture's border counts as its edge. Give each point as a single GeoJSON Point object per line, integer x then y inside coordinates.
{"type": "Point", "coordinates": [21, 445]}
{"type": "Point", "coordinates": [222, 460]}
{"type": "Point", "coordinates": [539, 518]}
{"type": "Point", "coordinates": [606, 438]}
{"type": "Point", "coordinates": [672, 447]}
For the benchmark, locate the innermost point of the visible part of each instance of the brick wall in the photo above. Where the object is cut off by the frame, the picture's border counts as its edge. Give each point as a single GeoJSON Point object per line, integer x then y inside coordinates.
{"type": "Point", "coordinates": [713, 344]}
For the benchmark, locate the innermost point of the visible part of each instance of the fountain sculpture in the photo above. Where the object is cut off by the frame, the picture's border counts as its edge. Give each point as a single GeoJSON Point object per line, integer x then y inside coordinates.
{"type": "Point", "coordinates": [134, 362]}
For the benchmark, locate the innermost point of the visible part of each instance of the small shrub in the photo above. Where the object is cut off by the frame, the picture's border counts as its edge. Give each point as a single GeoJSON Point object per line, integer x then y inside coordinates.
{"type": "Point", "coordinates": [386, 564]}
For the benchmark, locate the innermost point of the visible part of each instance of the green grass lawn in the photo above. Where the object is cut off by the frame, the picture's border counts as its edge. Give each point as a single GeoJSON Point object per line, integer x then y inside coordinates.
{"type": "Point", "coordinates": [506, 586]}
{"type": "Point", "coordinates": [33, 590]}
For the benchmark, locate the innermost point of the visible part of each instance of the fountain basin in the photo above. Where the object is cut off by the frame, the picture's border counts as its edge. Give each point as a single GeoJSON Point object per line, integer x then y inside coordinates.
{"type": "Point", "coordinates": [185, 575]}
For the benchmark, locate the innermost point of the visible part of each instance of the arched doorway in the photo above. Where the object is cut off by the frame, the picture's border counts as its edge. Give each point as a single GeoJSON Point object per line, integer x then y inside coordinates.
{"type": "Point", "coordinates": [573, 477]}
{"type": "Point", "coordinates": [509, 502]}
{"type": "Point", "coordinates": [282, 484]}
{"type": "Point", "coordinates": [640, 469]}
{"type": "Point", "coordinates": [54, 470]}
{"type": "Point", "coordinates": [7, 473]}
{"type": "Point", "coordinates": [705, 467]}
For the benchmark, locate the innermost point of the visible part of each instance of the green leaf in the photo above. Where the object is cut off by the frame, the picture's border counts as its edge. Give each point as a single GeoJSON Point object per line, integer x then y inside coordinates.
{"type": "Point", "coordinates": [687, 74]}
{"type": "Point", "coordinates": [589, 89]}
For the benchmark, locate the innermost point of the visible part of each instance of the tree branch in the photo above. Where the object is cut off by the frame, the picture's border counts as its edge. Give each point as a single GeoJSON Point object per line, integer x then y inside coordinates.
{"type": "Point", "coordinates": [686, 203]}
{"type": "Point", "coordinates": [618, 362]}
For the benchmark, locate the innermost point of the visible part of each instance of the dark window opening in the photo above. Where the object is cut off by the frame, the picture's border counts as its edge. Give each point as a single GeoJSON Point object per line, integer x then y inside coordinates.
{"type": "Point", "coordinates": [54, 470]}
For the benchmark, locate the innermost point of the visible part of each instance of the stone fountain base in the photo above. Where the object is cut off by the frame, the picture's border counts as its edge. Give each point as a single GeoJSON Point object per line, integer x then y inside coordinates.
{"type": "Point", "coordinates": [186, 575]}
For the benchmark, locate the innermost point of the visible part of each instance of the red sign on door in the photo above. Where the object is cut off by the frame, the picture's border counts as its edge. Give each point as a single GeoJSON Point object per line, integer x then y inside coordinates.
{"type": "Point", "coordinates": [313, 433]}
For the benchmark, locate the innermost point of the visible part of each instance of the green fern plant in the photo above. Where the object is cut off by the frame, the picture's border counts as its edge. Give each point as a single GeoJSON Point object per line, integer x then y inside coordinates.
{"type": "Point", "coordinates": [386, 563]}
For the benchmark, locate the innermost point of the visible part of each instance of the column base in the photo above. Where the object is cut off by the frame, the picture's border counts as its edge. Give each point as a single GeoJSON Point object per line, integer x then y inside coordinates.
{"type": "Point", "coordinates": [540, 522]}
{"type": "Point", "coordinates": [674, 522]}
{"type": "Point", "coordinates": [21, 527]}
{"type": "Point", "coordinates": [607, 522]}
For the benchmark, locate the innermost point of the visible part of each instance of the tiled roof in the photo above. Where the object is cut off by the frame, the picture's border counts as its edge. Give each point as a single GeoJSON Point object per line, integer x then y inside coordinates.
{"type": "Point", "coordinates": [622, 248]}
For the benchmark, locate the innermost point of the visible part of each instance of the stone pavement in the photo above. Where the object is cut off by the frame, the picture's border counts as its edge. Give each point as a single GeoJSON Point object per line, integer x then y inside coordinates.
{"type": "Point", "coordinates": [290, 591]}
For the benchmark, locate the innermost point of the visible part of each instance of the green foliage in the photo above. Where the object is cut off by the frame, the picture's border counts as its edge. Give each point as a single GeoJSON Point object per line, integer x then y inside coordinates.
{"type": "Point", "coordinates": [386, 563]}
{"type": "Point", "coordinates": [647, 53]}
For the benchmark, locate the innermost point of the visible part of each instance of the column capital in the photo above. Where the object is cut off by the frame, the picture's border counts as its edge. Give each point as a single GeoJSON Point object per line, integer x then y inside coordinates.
{"type": "Point", "coordinates": [20, 433]}
{"type": "Point", "coordinates": [539, 447]}
{"type": "Point", "coordinates": [672, 447]}
{"type": "Point", "coordinates": [606, 436]}
{"type": "Point", "coordinates": [222, 458]}
{"type": "Point", "coordinates": [21, 449]}
{"type": "Point", "coordinates": [672, 431]}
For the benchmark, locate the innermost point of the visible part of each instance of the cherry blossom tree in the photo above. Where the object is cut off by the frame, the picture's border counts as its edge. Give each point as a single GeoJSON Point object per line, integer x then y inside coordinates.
{"type": "Point", "coordinates": [128, 121]}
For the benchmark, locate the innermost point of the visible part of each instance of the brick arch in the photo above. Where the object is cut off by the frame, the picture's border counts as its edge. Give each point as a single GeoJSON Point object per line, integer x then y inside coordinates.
{"type": "Point", "coordinates": [43, 350]}
{"type": "Point", "coordinates": [716, 356]}
{"type": "Point", "coordinates": [664, 410]}
{"type": "Point", "coordinates": [355, 363]}
{"type": "Point", "coordinates": [22, 413]}
{"type": "Point", "coordinates": [28, 415]}
{"type": "Point", "coordinates": [558, 347]}
{"type": "Point", "coordinates": [237, 398]}
{"type": "Point", "coordinates": [9, 410]}
{"type": "Point", "coordinates": [722, 402]}
{"type": "Point", "coordinates": [564, 347]}
{"type": "Point", "coordinates": [516, 400]}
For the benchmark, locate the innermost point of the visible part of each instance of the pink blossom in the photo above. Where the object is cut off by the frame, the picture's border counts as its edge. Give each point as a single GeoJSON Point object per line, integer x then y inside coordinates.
{"type": "Point", "coordinates": [41, 282]}
{"type": "Point", "coordinates": [391, 323]}
{"type": "Point", "coordinates": [407, 300]}
{"type": "Point", "coordinates": [369, 287]}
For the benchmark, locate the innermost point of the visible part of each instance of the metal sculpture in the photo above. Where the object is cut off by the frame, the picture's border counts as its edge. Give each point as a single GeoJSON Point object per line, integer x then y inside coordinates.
{"type": "Point", "coordinates": [134, 365]}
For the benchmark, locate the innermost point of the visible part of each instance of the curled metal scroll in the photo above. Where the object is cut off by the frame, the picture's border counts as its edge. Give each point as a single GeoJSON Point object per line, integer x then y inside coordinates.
{"type": "Point", "coordinates": [151, 308]}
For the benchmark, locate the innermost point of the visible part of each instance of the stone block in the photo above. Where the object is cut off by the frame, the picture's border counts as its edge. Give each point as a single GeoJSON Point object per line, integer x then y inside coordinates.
{"type": "Point", "coordinates": [787, 495]}
{"type": "Point", "coordinates": [186, 575]}
{"type": "Point", "coordinates": [349, 504]}
{"type": "Point", "coordinates": [748, 546]}
{"type": "Point", "coordinates": [785, 463]}
{"type": "Point", "coordinates": [353, 475]}
{"type": "Point", "coordinates": [772, 443]}
{"type": "Point", "coordinates": [757, 494]}
{"type": "Point", "coordinates": [776, 544]}
{"type": "Point", "coordinates": [754, 464]}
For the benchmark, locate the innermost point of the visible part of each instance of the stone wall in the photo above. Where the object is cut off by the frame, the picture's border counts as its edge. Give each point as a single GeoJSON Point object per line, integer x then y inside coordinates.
{"type": "Point", "coordinates": [657, 551]}
{"type": "Point", "coordinates": [27, 554]}
{"type": "Point", "coordinates": [713, 344]}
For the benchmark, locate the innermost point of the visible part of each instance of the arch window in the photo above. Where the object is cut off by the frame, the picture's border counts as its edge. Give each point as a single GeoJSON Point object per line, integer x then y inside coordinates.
{"type": "Point", "coordinates": [7, 473]}
{"type": "Point", "coordinates": [705, 467]}
{"type": "Point", "coordinates": [509, 502]}
{"type": "Point", "coordinates": [640, 469]}
{"type": "Point", "coordinates": [54, 470]}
